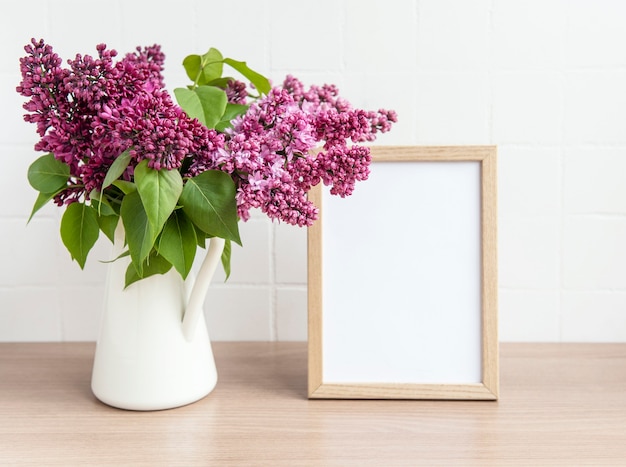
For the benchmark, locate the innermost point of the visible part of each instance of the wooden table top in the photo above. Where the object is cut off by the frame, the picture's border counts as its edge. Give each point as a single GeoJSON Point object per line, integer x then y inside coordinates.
{"type": "Point", "coordinates": [560, 404]}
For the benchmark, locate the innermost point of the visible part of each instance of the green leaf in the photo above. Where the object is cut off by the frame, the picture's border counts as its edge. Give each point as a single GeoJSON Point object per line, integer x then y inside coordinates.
{"type": "Point", "coordinates": [123, 254]}
{"type": "Point", "coordinates": [79, 231]}
{"type": "Point", "coordinates": [41, 201]}
{"type": "Point", "coordinates": [226, 258]}
{"type": "Point", "coordinates": [108, 224]}
{"type": "Point", "coordinates": [213, 101]}
{"type": "Point", "coordinates": [189, 101]}
{"type": "Point", "coordinates": [119, 166]}
{"type": "Point", "coordinates": [259, 81]}
{"type": "Point", "coordinates": [232, 111]}
{"type": "Point", "coordinates": [139, 234]}
{"type": "Point", "coordinates": [221, 82]}
{"type": "Point", "coordinates": [103, 208]}
{"type": "Point", "coordinates": [155, 264]}
{"type": "Point", "coordinates": [159, 191]}
{"type": "Point", "coordinates": [201, 236]}
{"type": "Point", "coordinates": [212, 65]}
{"type": "Point", "coordinates": [48, 175]}
{"type": "Point", "coordinates": [101, 204]}
{"type": "Point", "coordinates": [209, 201]}
{"type": "Point", "coordinates": [193, 67]}
{"type": "Point", "coordinates": [206, 103]}
{"type": "Point", "coordinates": [204, 69]}
{"type": "Point", "coordinates": [125, 186]}
{"type": "Point", "coordinates": [177, 243]}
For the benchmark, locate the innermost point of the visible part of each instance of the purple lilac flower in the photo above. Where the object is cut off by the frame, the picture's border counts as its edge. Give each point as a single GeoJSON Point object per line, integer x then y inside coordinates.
{"type": "Point", "coordinates": [268, 150]}
{"type": "Point", "coordinates": [236, 92]}
{"type": "Point", "coordinates": [91, 112]}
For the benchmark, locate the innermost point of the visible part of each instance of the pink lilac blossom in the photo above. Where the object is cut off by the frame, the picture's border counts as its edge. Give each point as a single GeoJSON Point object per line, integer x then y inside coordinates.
{"type": "Point", "coordinates": [269, 149]}
{"type": "Point", "coordinates": [89, 114]}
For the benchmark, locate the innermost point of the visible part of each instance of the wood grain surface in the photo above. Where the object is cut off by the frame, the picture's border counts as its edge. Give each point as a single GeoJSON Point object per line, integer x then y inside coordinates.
{"type": "Point", "coordinates": [560, 404]}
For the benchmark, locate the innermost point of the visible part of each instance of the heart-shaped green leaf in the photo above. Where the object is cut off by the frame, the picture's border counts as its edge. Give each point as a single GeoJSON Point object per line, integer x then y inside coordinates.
{"type": "Point", "coordinates": [201, 236]}
{"type": "Point", "coordinates": [232, 111]}
{"type": "Point", "coordinates": [204, 69]}
{"type": "Point", "coordinates": [108, 224]}
{"type": "Point", "coordinates": [209, 201]}
{"type": "Point", "coordinates": [139, 234]}
{"type": "Point", "coordinates": [190, 103]}
{"type": "Point", "coordinates": [177, 243]}
{"type": "Point", "coordinates": [259, 81]}
{"type": "Point", "coordinates": [124, 186]}
{"type": "Point", "coordinates": [101, 204]}
{"type": "Point", "coordinates": [226, 252]}
{"type": "Point", "coordinates": [48, 175]}
{"type": "Point", "coordinates": [159, 191]}
{"type": "Point", "coordinates": [206, 103]}
{"type": "Point", "coordinates": [212, 65]}
{"type": "Point", "coordinates": [155, 264]}
{"type": "Point", "coordinates": [119, 166]}
{"type": "Point", "coordinates": [193, 67]}
{"type": "Point", "coordinates": [213, 101]}
{"type": "Point", "coordinates": [41, 201]}
{"type": "Point", "coordinates": [79, 231]}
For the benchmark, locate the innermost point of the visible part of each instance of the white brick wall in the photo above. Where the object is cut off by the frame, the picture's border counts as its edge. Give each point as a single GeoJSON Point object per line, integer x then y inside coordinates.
{"type": "Point", "coordinates": [545, 80]}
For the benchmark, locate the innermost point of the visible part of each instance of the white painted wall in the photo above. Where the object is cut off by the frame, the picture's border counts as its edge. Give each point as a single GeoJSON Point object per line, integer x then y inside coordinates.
{"type": "Point", "coordinates": [545, 80]}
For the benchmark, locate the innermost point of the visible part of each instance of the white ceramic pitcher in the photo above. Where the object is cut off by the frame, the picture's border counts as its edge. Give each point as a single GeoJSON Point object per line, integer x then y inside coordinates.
{"type": "Point", "coordinates": [153, 351]}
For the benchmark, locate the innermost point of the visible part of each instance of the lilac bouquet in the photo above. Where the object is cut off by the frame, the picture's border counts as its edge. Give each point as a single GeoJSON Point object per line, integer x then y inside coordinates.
{"type": "Point", "coordinates": [118, 147]}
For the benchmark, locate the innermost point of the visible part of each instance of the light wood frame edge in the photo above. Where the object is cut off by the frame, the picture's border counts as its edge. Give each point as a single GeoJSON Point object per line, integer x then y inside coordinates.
{"type": "Point", "coordinates": [488, 389]}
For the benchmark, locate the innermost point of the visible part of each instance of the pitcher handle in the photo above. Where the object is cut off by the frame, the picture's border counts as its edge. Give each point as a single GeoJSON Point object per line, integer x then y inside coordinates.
{"type": "Point", "coordinates": [201, 286]}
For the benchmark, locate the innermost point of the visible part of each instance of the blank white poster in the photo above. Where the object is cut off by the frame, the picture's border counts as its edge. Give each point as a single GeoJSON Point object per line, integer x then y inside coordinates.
{"type": "Point", "coordinates": [402, 276]}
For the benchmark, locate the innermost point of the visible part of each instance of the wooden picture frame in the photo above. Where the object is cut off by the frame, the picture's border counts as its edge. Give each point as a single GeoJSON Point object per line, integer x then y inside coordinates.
{"type": "Point", "coordinates": [437, 339]}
